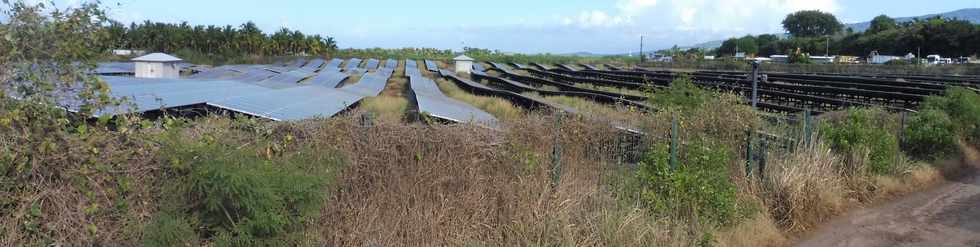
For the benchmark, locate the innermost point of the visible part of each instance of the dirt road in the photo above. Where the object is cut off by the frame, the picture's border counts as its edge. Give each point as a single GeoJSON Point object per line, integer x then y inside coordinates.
{"type": "Point", "coordinates": [948, 215]}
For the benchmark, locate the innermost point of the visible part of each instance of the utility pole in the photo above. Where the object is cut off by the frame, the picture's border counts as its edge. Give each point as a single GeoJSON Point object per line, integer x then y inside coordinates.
{"type": "Point", "coordinates": [828, 47]}
{"type": "Point", "coordinates": [642, 57]}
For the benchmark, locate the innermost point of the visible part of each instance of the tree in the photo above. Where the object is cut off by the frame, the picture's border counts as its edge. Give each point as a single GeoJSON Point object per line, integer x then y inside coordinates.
{"type": "Point", "coordinates": [746, 44]}
{"type": "Point", "coordinates": [882, 23]}
{"type": "Point", "coordinates": [812, 23]}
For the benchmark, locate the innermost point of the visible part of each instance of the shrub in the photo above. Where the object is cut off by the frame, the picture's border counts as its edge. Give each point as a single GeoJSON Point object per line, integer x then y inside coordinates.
{"type": "Point", "coordinates": [963, 107]}
{"type": "Point", "coordinates": [864, 135]}
{"type": "Point", "coordinates": [699, 186]}
{"type": "Point", "coordinates": [682, 94]}
{"type": "Point", "coordinates": [247, 196]}
{"type": "Point", "coordinates": [930, 135]}
{"type": "Point", "coordinates": [169, 230]}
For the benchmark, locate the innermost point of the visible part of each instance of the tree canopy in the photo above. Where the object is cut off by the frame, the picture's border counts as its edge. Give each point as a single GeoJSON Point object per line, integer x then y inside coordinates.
{"type": "Point", "coordinates": [746, 44]}
{"type": "Point", "coordinates": [812, 23]}
{"type": "Point", "coordinates": [882, 23]}
{"type": "Point", "coordinates": [245, 39]}
{"type": "Point", "coordinates": [946, 37]}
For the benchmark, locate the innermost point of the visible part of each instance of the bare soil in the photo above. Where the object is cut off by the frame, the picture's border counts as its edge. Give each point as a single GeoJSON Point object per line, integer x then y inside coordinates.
{"type": "Point", "coordinates": [948, 215]}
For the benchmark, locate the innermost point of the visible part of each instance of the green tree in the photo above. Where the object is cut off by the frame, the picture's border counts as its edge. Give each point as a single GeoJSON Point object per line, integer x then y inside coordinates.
{"type": "Point", "coordinates": [812, 23]}
{"type": "Point", "coordinates": [882, 23]}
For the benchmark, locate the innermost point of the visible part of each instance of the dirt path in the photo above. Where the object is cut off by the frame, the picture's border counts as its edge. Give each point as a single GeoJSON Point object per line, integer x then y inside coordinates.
{"type": "Point", "coordinates": [948, 215]}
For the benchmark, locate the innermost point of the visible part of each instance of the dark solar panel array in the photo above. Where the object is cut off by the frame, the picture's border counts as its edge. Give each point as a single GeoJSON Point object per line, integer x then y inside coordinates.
{"type": "Point", "coordinates": [265, 98]}
{"type": "Point", "coordinates": [431, 66]}
{"type": "Point", "coordinates": [115, 68]}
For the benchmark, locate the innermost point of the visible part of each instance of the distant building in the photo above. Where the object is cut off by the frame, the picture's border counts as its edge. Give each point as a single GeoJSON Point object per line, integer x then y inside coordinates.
{"type": "Point", "coordinates": [822, 59]}
{"type": "Point", "coordinates": [463, 64]}
{"type": "Point", "coordinates": [876, 58]}
{"type": "Point", "coordinates": [847, 60]}
{"type": "Point", "coordinates": [125, 52]}
{"type": "Point", "coordinates": [662, 58]}
{"type": "Point", "coordinates": [761, 59]}
{"type": "Point", "coordinates": [157, 65]}
{"type": "Point", "coordinates": [937, 59]}
{"type": "Point", "coordinates": [709, 57]}
{"type": "Point", "coordinates": [739, 55]}
{"type": "Point", "coordinates": [779, 58]}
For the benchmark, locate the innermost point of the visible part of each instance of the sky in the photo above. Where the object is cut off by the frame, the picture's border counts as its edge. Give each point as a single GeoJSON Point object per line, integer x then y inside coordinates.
{"type": "Point", "coordinates": [527, 26]}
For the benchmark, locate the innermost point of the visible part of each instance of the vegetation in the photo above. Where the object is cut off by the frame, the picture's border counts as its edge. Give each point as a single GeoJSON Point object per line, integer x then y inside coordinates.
{"type": "Point", "coordinates": [947, 37]}
{"type": "Point", "coordinates": [943, 121]}
{"type": "Point", "coordinates": [812, 23]}
{"type": "Point", "coordinates": [697, 186]}
{"type": "Point", "coordinates": [865, 135]}
{"type": "Point", "coordinates": [229, 41]}
{"type": "Point", "coordinates": [219, 181]}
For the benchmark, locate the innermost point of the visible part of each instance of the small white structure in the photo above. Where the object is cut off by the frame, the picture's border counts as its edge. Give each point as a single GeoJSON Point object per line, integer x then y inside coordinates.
{"type": "Point", "coordinates": [125, 52]}
{"type": "Point", "coordinates": [157, 65]}
{"type": "Point", "coordinates": [823, 59]}
{"type": "Point", "coordinates": [779, 58]}
{"type": "Point", "coordinates": [464, 64]}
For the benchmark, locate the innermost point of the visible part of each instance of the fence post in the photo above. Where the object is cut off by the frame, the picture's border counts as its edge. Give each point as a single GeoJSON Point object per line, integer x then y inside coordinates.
{"type": "Point", "coordinates": [763, 156]}
{"type": "Point", "coordinates": [755, 85]}
{"type": "Point", "coordinates": [748, 153]}
{"type": "Point", "coordinates": [807, 128]}
{"type": "Point", "coordinates": [556, 154]}
{"type": "Point", "coordinates": [673, 142]}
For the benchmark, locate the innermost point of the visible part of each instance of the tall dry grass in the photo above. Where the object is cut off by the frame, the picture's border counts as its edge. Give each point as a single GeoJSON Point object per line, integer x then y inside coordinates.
{"type": "Point", "coordinates": [498, 107]}
{"type": "Point", "coordinates": [392, 104]}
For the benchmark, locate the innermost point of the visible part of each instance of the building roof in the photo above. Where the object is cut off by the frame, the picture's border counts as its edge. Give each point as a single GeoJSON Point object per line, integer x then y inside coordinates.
{"type": "Point", "coordinates": [463, 58]}
{"type": "Point", "coordinates": [157, 57]}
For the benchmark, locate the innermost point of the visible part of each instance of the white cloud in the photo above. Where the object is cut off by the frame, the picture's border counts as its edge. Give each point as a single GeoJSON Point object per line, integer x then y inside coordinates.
{"type": "Point", "coordinates": [595, 18]}
{"type": "Point", "coordinates": [707, 19]}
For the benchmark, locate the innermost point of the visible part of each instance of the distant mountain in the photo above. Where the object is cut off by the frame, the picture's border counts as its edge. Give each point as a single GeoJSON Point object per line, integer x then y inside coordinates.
{"type": "Point", "coordinates": [971, 15]}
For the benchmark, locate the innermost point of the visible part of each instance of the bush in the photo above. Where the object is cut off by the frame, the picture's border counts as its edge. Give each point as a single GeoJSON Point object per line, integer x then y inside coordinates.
{"type": "Point", "coordinates": [930, 135]}
{"type": "Point", "coordinates": [700, 185]}
{"type": "Point", "coordinates": [243, 195]}
{"type": "Point", "coordinates": [963, 107]}
{"type": "Point", "coordinates": [682, 94]}
{"type": "Point", "coordinates": [865, 135]}
{"type": "Point", "coordinates": [169, 230]}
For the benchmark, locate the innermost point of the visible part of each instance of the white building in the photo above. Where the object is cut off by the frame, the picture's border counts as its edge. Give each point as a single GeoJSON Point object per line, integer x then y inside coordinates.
{"type": "Point", "coordinates": [463, 64]}
{"type": "Point", "coordinates": [779, 58]}
{"type": "Point", "coordinates": [157, 65]}
{"type": "Point", "coordinates": [823, 59]}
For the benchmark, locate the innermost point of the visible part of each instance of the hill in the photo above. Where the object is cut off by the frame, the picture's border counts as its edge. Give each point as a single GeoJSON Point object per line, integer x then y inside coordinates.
{"type": "Point", "coordinates": [972, 15]}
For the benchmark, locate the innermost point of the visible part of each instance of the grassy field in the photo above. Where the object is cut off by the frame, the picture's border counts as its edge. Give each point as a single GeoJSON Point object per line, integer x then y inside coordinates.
{"type": "Point", "coordinates": [392, 105]}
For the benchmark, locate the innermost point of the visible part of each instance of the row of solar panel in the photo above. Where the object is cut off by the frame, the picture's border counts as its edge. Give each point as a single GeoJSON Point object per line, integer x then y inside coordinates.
{"type": "Point", "coordinates": [433, 102]}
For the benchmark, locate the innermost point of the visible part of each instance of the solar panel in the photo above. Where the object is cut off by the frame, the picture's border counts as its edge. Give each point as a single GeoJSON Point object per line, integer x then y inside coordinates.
{"type": "Point", "coordinates": [291, 104]}
{"type": "Point", "coordinates": [334, 64]}
{"type": "Point", "coordinates": [391, 64]}
{"type": "Point", "coordinates": [152, 94]}
{"type": "Point", "coordinates": [222, 72]}
{"type": "Point", "coordinates": [352, 65]}
{"type": "Point", "coordinates": [433, 102]}
{"type": "Point", "coordinates": [431, 66]}
{"type": "Point", "coordinates": [328, 78]}
{"type": "Point", "coordinates": [255, 74]}
{"type": "Point", "coordinates": [372, 64]}
{"type": "Point", "coordinates": [314, 64]}
{"type": "Point", "coordinates": [115, 68]}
